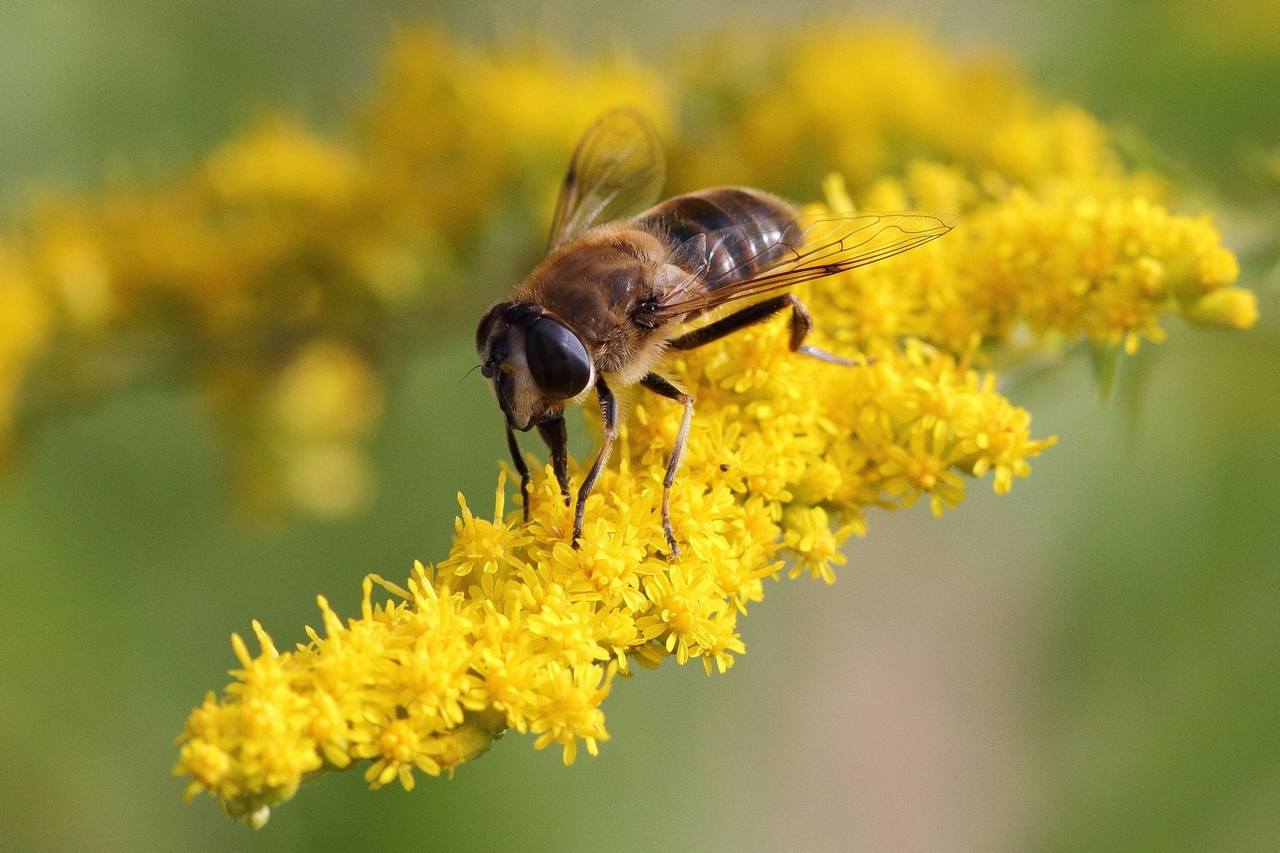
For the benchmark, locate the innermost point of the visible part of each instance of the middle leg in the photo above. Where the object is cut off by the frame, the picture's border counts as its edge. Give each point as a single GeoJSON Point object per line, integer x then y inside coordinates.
{"type": "Point", "coordinates": [557, 439]}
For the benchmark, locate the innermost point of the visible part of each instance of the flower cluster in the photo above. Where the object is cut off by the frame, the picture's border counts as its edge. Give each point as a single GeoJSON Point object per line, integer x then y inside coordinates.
{"type": "Point", "coordinates": [1105, 265]}
{"type": "Point", "coordinates": [516, 629]}
{"type": "Point", "coordinates": [288, 264]}
{"type": "Point", "coordinates": [783, 110]}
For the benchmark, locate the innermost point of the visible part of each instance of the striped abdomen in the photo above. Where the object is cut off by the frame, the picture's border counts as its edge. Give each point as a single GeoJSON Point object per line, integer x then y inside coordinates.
{"type": "Point", "coordinates": [746, 229]}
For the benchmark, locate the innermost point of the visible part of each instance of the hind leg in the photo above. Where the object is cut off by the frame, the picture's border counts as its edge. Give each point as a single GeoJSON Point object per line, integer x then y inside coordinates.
{"type": "Point", "coordinates": [801, 325]}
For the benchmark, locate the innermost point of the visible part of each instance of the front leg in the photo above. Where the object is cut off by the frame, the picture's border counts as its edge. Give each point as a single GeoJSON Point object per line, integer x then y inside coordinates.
{"type": "Point", "coordinates": [609, 414]}
{"type": "Point", "coordinates": [556, 436]}
{"type": "Point", "coordinates": [658, 385]}
{"type": "Point", "coordinates": [521, 468]}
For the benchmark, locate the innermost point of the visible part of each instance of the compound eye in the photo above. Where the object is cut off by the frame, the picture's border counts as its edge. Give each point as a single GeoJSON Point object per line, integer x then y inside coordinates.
{"type": "Point", "coordinates": [558, 361]}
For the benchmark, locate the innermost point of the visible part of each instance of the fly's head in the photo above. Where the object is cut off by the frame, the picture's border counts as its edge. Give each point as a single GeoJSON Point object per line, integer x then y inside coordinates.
{"type": "Point", "coordinates": [533, 361]}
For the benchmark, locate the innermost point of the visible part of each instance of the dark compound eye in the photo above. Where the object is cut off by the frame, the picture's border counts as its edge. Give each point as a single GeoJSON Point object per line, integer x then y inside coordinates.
{"type": "Point", "coordinates": [558, 361]}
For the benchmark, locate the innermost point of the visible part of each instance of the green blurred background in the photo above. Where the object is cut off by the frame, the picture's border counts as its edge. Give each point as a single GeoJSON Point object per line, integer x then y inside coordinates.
{"type": "Point", "coordinates": [1092, 662]}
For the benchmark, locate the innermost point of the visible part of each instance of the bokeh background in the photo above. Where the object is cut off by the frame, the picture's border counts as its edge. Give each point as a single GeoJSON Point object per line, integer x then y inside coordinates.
{"type": "Point", "coordinates": [1091, 662]}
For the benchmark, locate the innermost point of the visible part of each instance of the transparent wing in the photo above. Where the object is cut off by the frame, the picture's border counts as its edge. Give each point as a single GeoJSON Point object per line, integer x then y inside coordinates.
{"type": "Point", "coordinates": [815, 247]}
{"type": "Point", "coordinates": [617, 171]}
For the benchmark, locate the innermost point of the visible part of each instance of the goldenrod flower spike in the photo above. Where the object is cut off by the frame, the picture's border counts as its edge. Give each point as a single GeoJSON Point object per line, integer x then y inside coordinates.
{"type": "Point", "coordinates": [514, 629]}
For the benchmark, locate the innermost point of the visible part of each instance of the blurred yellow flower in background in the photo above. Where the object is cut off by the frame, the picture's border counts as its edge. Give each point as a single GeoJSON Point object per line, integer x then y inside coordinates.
{"type": "Point", "coordinates": [282, 241]}
{"type": "Point", "coordinates": [25, 324]}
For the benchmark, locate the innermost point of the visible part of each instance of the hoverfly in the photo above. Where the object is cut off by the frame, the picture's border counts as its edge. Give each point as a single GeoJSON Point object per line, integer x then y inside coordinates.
{"type": "Point", "coordinates": [624, 279]}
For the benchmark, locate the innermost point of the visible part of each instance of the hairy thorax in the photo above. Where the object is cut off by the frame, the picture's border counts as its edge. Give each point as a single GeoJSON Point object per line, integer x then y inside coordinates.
{"type": "Point", "coordinates": [598, 286]}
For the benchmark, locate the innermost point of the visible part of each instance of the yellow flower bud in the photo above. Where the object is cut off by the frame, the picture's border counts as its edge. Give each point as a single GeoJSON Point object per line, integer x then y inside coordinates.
{"type": "Point", "coordinates": [1226, 308]}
